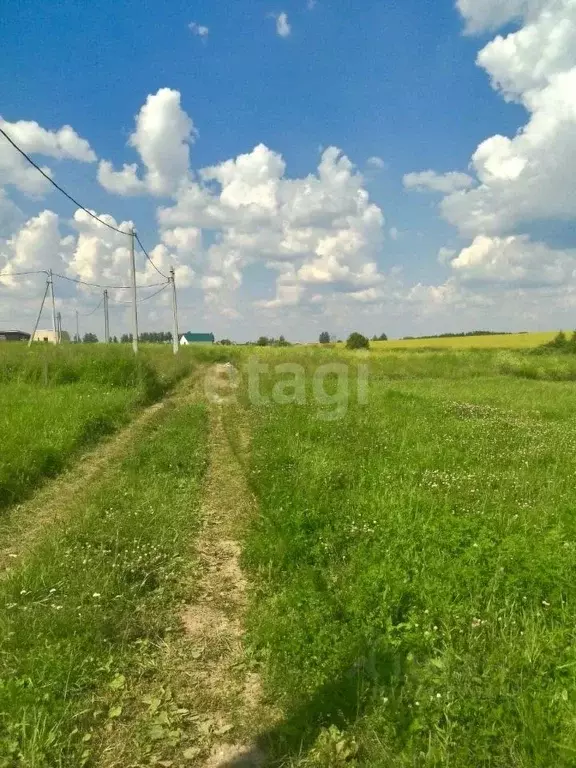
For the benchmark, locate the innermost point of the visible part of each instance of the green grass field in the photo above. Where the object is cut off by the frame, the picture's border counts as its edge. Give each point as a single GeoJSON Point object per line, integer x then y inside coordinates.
{"type": "Point", "coordinates": [56, 401]}
{"type": "Point", "coordinates": [410, 567]}
{"type": "Point", "coordinates": [414, 566]}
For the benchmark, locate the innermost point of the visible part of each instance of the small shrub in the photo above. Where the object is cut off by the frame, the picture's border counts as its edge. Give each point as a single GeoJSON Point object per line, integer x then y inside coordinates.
{"type": "Point", "coordinates": [357, 341]}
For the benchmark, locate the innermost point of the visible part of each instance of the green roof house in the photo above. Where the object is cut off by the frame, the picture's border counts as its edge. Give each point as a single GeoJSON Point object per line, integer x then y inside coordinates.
{"type": "Point", "coordinates": [196, 338]}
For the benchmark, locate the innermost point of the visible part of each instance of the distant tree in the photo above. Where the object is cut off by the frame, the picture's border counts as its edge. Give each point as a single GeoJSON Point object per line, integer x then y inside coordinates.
{"type": "Point", "coordinates": [155, 337]}
{"type": "Point", "coordinates": [115, 339]}
{"type": "Point", "coordinates": [77, 339]}
{"type": "Point", "coordinates": [282, 342]}
{"type": "Point", "coordinates": [90, 338]}
{"type": "Point", "coordinates": [382, 337]}
{"type": "Point", "coordinates": [226, 342]}
{"type": "Point", "coordinates": [374, 338]}
{"type": "Point", "coordinates": [263, 341]}
{"type": "Point", "coordinates": [357, 341]}
{"type": "Point", "coordinates": [126, 338]}
{"type": "Point", "coordinates": [324, 338]}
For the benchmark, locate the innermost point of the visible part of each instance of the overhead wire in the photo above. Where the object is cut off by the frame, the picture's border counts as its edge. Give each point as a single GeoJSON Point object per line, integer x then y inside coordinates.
{"type": "Point", "coordinates": [100, 221]}
{"type": "Point", "coordinates": [59, 188]}
{"type": "Point", "coordinates": [148, 257]}
{"type": "Point", "coordinates": [144, 298]}
{"type": "Point", "coordinates": [100, 285]}
{"type": "Point", "coordinates": [87, 314]}
{"type": "Point", "coordinates": [151, 296]}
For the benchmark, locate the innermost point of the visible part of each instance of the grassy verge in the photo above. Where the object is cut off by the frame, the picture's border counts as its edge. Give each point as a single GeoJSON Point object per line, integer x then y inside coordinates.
{"type": "Point", "coordinates": [97, 594]}
{"type": "Point", "coordinates": [414, 568]}
{"type": "Point", "coordinates": [54, 401]}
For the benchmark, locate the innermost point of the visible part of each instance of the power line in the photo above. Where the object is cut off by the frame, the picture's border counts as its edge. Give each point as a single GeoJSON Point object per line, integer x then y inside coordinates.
{"type": "Point", "coordinates": [87, 314]}
{"type": "Point", "coordinates": [148, 257]}
{"type": "Point", "coordinates": [151, 296]}
{"type": "Point", "coordinates": [51, 180]}
{"type": "Point", "coordinates": [144, 298]}
{"type": "Point", "coordinates": [99, 285]}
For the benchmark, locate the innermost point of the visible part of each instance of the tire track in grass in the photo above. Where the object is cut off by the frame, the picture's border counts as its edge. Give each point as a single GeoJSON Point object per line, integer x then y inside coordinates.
{"type": "Point", "coordinates": [201, 705]}
{"type": "Point", "coordinates": [214, 622]}
{"type": "Point", "coordinates": [26, 523]}
{"type": "Point", "coordinates": [90, 604]}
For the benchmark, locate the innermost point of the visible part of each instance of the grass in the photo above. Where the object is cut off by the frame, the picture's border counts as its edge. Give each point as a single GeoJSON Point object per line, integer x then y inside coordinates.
{"type": "Point", "coordinates": [92, 601]}
{"type": "Point", "coordinates": [497, 341]}
{"type": "Point", "coordinates": [414, 565]}
{"type": "Point", "coordinates": [54, 401]}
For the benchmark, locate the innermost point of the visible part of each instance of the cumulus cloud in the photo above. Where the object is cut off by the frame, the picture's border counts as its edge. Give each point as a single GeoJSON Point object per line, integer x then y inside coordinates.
{"type": "Point", "coordinates": [515, 259]}
{"type": "Point", "coordinates": [37, 245]}
{"type": "Point", "coordinates": [199, 30]}
{"type": "Point", "coordinates": [483, 15]}
{"type": "Point", "coordinates": [321, 230]}
{"type": "Point", "coordinates": [63, 144]}
{"type": "Point", "coordinates": [430, 181]}
{"type": "Point", "coordinates": [529, 176]}
{"type": "Point", "coordinates": [101, 255]}
{"type": "Point", "coordinates": [283, 28]}
{"type": "Point", "coordinates": [162, 137]}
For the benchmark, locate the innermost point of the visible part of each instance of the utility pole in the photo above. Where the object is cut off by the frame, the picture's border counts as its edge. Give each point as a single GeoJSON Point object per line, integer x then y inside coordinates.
{"type": "Point", "coordinates": [39, 313]}
{"type": "Point", "coordinates": [134, 299]}
{"type": "Point", "coordinates": [59, 327]}
{"type": "Point", "coordinates": [175, 333]}
{"type": "Point", "coordinates": [77, 329]}
{"type": "Point", "coordinates": [106, 319]}
{"type": "Point", "coordinates": [54, 326]}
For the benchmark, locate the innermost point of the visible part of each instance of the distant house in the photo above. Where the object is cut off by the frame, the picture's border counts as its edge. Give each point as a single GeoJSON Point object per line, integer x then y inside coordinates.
{"type": "Point", "coordinates": [14, 336]}
{"type": "Point", "coordinates": [48, 336]}
{"type": "Point", "coordinates": [196, 338]}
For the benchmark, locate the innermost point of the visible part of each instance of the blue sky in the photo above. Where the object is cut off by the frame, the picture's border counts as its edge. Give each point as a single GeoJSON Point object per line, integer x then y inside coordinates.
{"type": "Point", "coordinates": [398, 81]}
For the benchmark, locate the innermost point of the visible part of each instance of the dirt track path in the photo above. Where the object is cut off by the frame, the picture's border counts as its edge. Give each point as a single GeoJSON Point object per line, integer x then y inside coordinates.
{"type": "Point", "coordinates": [214, 622]}
{"type": "Point", "coordinates": [52, 501]}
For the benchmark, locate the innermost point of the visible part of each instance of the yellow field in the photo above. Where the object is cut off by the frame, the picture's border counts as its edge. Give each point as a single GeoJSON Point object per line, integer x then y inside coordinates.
{"type": "Point", "coordinates": [504, 341]}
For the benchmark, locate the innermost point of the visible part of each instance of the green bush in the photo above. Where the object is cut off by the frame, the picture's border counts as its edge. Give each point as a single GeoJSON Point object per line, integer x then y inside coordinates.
{"type": "Point", "coordinates": [357, 341]}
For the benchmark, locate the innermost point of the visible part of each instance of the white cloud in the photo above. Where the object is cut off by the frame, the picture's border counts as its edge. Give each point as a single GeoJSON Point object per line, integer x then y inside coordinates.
{"type": "Point", "coordinates": [37, 245]}
{"type": "Point", "coordinates": [101, 255]}
{"type": "Point", "coordinates": [526, 59]}
{"type": "Point", "coordinates": [376, 163]}
{"type": "Point", "coordinates": [283, 27]}
{"type": "Point", "coordinates": [515, 260]}
{"type": "Point", "coordinates": [198, 29]}
{"type": "Point", "coordinates": [10, 214]}
{"type": "Point", "coordinates": [394, 233]}
{"type": "Point", "coordinates": [530, 176]}
{"type": "Point", "coordinates": [482, 15]}
{"type": "Point", "coordinates": [321, 230]}
{"type": "Point", "coordinates": [162, 138]}
{"type": "Point", "coordinates": [63, 144]}
{"type": "Point", "coordinates": [430, 181]}
{"type": "Point", "coordinates": [311, 4]}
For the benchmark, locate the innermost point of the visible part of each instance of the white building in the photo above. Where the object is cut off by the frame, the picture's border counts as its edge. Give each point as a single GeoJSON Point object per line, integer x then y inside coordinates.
{"type": "Point", "coordinates": [47, 336]}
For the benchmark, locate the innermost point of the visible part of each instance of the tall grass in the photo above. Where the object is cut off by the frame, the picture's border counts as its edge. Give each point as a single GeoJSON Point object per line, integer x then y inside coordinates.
{"type": "Point", "coordinates": [414, 568]}
{"type": "Point", "coordinates": [97, 595]}
{"type": "Point", "coordinates": [55, 400]}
